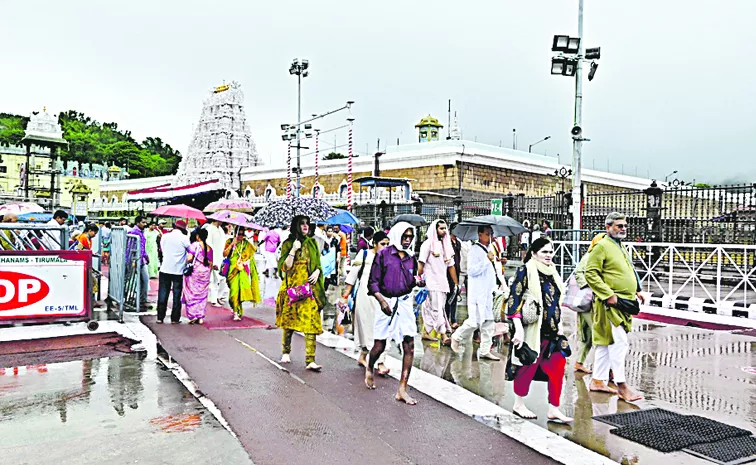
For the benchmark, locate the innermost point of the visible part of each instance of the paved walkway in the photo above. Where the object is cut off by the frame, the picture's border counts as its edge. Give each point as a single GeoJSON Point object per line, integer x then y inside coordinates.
{"type": "Point", "coordinates": [294, 416]}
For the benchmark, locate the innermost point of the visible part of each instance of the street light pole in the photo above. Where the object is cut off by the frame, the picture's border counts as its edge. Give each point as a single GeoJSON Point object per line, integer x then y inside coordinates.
{"type": "Point", "coordinates": [530, 147]}
{"type": "Point", "coordinates": [577, 143]}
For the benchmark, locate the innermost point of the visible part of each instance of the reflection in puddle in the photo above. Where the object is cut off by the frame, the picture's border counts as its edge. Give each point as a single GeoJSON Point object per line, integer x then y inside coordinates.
{"type": "Point", "coordinates": [177, 423]}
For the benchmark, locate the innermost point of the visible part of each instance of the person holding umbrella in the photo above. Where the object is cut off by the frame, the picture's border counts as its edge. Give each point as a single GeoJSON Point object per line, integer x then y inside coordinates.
{"type": "Point", "coordinates": [302, 294]}
{"type": "Point", "coordinates": [242, 279]}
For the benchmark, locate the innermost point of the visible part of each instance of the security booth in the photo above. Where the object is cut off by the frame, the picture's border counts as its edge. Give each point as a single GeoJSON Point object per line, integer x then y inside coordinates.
{"type": "Point", "coordinates": [80, 199]}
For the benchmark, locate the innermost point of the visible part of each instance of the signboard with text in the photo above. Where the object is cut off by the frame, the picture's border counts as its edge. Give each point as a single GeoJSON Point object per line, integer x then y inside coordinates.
{"type": "Point", "coordinates": [44, 285]}
{"type": "Point", "coordinates": [496, 205]}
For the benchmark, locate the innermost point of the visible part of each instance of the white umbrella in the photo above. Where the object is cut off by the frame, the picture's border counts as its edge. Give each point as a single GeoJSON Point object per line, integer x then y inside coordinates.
{"type": "Point", "coordinates": [20, 208]}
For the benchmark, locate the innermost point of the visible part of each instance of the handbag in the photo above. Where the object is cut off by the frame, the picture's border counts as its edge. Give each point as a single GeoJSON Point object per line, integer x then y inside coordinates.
{"type": "Point", "coordinates": [577, 299]}
{"type": "Point", "coordinates": [299, 293]}
{"type": "Point", "coordinates": [226, 265]}
{"type": "Point", "coordinates": [189, 268]}
{"type": "Point", "coordinates": [531, 311]}
{"type": "Point", "coordinates": [630, 307]}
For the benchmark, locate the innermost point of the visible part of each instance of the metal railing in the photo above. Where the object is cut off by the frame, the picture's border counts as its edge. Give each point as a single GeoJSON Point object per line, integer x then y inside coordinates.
{"type": "Point", "coordinates": [17, 236]}
{"type": "Point", "coordinates": [711, 278]}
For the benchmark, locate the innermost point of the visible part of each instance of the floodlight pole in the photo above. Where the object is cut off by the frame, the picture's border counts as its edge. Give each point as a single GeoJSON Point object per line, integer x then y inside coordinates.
{"type": "Point", "coordinates": [577, 143]}
{"type": "Point", "coordinates": [299, 132]}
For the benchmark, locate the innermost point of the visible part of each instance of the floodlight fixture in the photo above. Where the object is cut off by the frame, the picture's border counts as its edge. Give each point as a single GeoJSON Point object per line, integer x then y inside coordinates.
{"type": "Point", "coordinates": [563, 66]}
{"type": "Point", "coordinates": [284, 127]}
{"type": "Point", "coordinates": [593, 53]}
{"type": "Point", "coordinates": [308, 126]}
{"type": "Point", "coordinates": [566, 44]}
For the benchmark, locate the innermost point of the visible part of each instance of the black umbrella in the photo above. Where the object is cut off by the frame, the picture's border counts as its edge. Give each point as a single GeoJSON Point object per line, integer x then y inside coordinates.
{"type": "Point", "coordinates": [280, 213]}
{"type": "Point", "coordinates": [411, 218]}
{"type": "Point", "coordinates": [502, 226]}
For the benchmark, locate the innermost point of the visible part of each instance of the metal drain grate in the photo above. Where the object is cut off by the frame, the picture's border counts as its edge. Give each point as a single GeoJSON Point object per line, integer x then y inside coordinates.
{"type": "Point", "coordinates": [677, 433]}
{"type": "Point", "coordinates": [732, 451]}
{"type": "Point", "coordinates": [653, 415]}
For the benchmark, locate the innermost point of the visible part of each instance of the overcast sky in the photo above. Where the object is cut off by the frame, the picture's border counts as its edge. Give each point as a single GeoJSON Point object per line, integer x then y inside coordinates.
{"type": "Point", "coordinates": [675, 89]}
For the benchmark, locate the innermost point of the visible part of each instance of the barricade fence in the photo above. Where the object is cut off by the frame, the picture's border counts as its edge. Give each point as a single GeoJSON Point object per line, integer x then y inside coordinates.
{"type": "Point", "coordinates": [709, 278]}
{"type": "Point", "coordinates": [124, 286]}
{"type": "Point", "coordinates": [17, 236]}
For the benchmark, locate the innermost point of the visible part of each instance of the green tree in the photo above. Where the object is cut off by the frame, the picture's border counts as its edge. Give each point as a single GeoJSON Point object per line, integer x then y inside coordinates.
{"type": "Point", "coordinates": [90, 141]}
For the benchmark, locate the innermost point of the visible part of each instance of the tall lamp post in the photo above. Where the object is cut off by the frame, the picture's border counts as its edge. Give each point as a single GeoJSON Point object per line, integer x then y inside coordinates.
{"type": "Point", "coordinates": [300, 69]}
{"type": "Point", "coordinates": [670, 174]}
{"type": "Point", "coordinates": [530, 147]}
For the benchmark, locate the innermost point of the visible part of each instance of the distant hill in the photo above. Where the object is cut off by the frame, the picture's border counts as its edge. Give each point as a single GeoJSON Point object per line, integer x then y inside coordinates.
{"type": "Point", "coordinates": [93, 142]}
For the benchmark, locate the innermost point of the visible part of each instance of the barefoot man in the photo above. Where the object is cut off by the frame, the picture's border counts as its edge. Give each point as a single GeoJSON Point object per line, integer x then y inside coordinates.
{"type": "Point", "coordinates": [612, 277]}
{"type": "Point", "coordinates": [392, 278]}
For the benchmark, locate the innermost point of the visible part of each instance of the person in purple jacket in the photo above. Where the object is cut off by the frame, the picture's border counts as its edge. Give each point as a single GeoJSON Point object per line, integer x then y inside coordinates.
{"type": "Point", "coordinates": [392, 278]}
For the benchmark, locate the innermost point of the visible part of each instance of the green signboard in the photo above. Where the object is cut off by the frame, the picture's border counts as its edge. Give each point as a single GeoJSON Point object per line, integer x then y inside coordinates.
{"type": "Point", "coordinates": [496, 206]}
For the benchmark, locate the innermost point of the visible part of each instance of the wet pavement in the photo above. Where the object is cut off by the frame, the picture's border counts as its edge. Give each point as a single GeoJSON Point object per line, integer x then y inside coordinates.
{"type": "Point", "coordinates": [683, 369]}
{"type": "Point", "coordinates": [109, 410]}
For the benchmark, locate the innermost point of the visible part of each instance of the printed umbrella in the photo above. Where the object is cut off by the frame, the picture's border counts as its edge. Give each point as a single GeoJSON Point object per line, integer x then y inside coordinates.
{"type": "Point", "coordinates": [280, 213]}
{"type": "Point", "coordinates": [502, 226]}
{"type": "Point", "coordinates": [179, 211]}
{"type": "Point", "coordinates": [411, 218]}
{"type": "Point", "coordinates": [19, 208]}
{"type": "Point", "coordinates": [237, 205]}
{"type": "Point", "coordinates": [235, 218]}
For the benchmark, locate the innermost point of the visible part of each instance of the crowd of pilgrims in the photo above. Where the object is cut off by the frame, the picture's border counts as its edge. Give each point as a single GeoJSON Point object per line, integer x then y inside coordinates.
{"type": "Point", "coordinates": [385, 282]}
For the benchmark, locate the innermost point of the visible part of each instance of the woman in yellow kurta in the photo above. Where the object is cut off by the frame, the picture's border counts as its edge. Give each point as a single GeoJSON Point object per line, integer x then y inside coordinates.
{"type": "Point", "coordinates": [300, 264]}
{"type": "Point", "coordinates": [242, 279]}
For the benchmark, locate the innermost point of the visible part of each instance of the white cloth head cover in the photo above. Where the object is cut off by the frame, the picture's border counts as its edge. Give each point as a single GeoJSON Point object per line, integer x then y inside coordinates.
{"type": "Point", "coordinates": [438, 246]}
{"type": "Point", "coordinates": [395, 236]}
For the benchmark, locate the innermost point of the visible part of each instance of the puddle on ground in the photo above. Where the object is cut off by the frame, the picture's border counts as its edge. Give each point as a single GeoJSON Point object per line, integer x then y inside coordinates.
{"type": "Point", "coordinates": [119, 410]}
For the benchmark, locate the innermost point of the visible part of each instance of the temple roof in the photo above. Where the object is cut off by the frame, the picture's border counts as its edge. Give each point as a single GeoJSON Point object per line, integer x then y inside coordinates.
{"type": "Point", "coordinates": [429, 121]}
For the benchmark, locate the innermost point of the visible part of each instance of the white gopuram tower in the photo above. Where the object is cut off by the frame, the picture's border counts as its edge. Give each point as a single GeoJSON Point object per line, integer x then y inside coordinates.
{"type": "Point", "coordinates": [221, 145]}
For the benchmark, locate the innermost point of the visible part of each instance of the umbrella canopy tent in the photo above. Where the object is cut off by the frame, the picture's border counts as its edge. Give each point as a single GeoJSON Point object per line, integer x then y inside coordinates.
{"type": "Point", "coordinates": [39, 217]}
{"type": "Point", "coordinates": [179, 211]}
{"type": "Point", "coordinates": [20, 208]}
{"type": "Point", "coordinates": [411, 218]}
{"type": "Point", "coordinates": [280, 213]}
{"type": "Point", "coordinates": [340, 218]}
{"type": "Point", "coordinates": [503, 226]}
{"type": "Point", "coordinates": [235, 218]}
{"type": "Point", "coordinates": [236, 205]}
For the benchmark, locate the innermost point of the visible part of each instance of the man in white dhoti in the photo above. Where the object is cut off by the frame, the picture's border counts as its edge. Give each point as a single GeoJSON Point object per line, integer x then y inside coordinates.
{"type": "Point", "coordinates": [481, 282]}
{"type": "Point", "coordinates": [216, 239]}
{"type": "Point", "coordinates": [393, 275]}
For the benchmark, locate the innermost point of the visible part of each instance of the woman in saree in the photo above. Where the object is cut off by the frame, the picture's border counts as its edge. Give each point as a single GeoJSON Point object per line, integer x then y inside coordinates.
{"type": "Point", "coordinates": [539, 345]}
{"type": "Point", "coordinates": [151, 235]}
{"type": "Point", "coordinates": [243, 282]}
{"type": "Point", "coordinates": [365, 306]}
{"type": "Point", "coordinates": [298, 266]}
{"type": "Point", "coordinates": [197, 284]}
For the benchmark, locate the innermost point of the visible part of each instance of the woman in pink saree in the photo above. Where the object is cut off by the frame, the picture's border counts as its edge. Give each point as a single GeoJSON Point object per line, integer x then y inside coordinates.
{"type": "Point", "coordinates": [197, 284]}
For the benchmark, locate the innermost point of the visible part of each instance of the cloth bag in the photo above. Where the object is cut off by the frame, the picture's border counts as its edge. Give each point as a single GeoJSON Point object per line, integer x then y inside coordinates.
{"type": "Point", "coordinates": [577, 299]}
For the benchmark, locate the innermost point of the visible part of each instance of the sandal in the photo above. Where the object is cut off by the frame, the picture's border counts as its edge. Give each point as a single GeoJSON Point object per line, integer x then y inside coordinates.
{"type": "Point", "coordinates": [314, 367]}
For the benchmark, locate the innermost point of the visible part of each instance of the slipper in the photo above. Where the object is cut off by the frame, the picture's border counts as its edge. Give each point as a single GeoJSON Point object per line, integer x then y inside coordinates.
{"type": "Point", "coordinates": [523, 417]}
{"type": "Point", "coordinates": [559, 422]}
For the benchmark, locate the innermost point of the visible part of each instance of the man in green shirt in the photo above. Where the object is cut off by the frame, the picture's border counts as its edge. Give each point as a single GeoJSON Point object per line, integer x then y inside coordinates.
{"type": "Point", "coordinates": [611, 275]}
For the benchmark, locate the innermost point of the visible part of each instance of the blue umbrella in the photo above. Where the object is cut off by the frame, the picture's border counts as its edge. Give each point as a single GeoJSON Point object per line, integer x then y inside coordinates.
{"type": "Point", "coordinates": [36, 217]}
{"type": "Point", "coordinates": [342, 217]}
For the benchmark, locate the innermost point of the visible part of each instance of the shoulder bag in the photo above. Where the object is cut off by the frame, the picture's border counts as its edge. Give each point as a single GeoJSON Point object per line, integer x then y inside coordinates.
{"type": "Point", "coordinates": [531, 311]}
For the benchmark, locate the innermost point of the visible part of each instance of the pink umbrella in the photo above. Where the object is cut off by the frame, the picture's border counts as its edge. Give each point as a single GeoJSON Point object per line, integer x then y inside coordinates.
{"type": "Point", "coordinates": [20, 208]}
{"type": "Point", "coordinates": [178, 211]}
{"type": "Point", "coordinates": [235, 218]}
{"type": "Point", "coordinates": [237, 205]}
